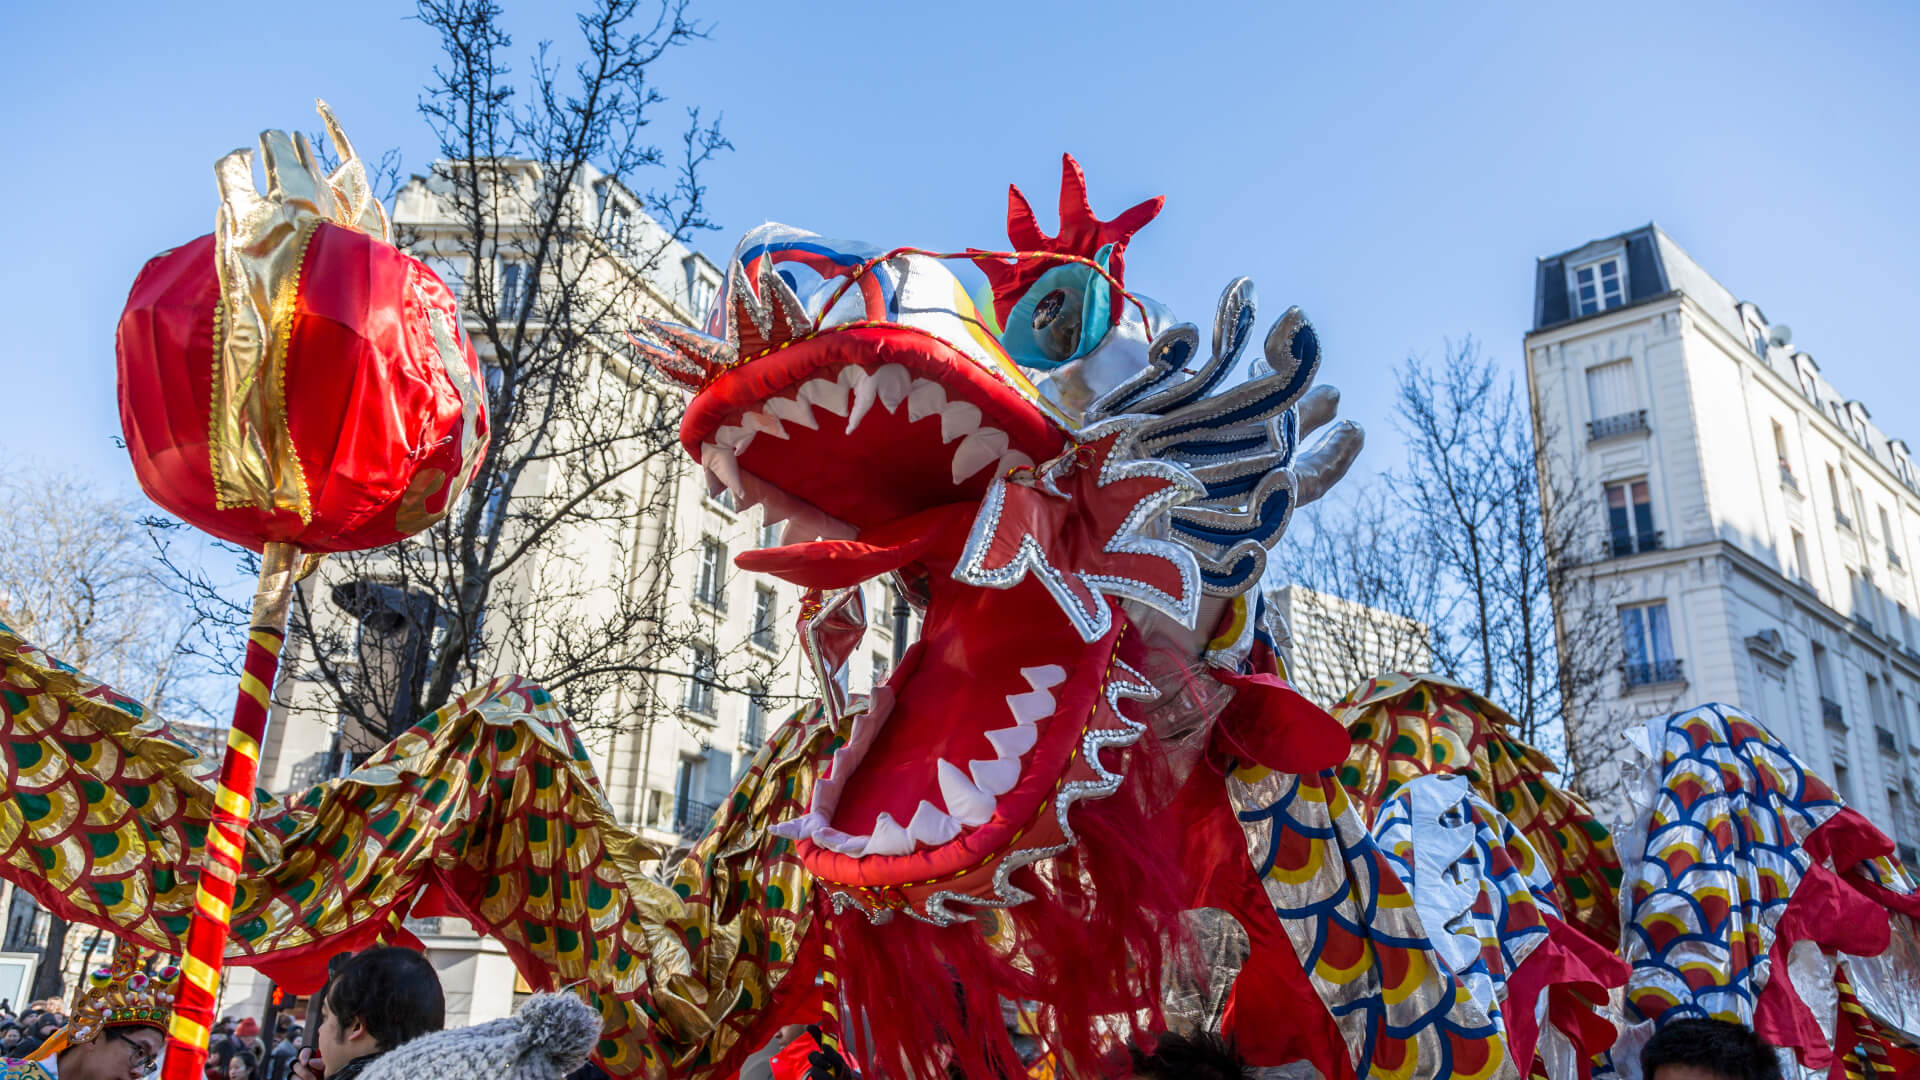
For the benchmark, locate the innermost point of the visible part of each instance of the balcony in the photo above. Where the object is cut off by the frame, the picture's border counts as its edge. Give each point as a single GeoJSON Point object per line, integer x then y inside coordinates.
{"type": "Point", "coordinates": [690, 819]}
{"type": "Point", "coordinates": [1652, 672]}
{"type": "Point", "coordinates": [1865, 624]}
{"type": "Point", "coordinates": [1621, 545]}
{"type": "Point", "coordinates": [1628, 423]}
{"type": "Point", "coordinates": [1787, 479]}
{"type": "Point", "coordinates": [1843, 521]}
{"type": "Point", "coordinates": [1831, 712]}
{"type": "Point", "coordinates": [1885, 739]}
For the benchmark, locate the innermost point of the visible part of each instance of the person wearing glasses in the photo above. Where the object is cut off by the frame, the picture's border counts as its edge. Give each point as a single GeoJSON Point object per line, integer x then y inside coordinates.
{"type": "Point", "coordinates": [116, 1030]}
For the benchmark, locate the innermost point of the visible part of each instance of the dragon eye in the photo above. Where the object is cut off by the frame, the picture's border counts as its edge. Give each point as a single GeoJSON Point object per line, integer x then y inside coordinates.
{"type": "Point", "coordinates": [1056, 324]}
{"type": "Point", "coordinates": [1049, 308]}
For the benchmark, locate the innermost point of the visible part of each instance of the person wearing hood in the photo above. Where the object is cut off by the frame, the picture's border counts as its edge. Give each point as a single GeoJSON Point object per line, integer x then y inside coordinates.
{"type": "Point", "coordinates": [550, 1037]}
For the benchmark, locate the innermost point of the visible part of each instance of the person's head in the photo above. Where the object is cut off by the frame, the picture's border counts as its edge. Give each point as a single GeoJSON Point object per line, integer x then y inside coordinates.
{"type": "Point", "coordinates": [248, 1028]}
{"type": "Point", "coordinates": [1699, 1049]}
{"type": "Point", "coordinates": [1200, 1056]}
{"type": "Point", "coordinates": [9, 1035]}
{"type": "Point", "coordinates": [379, 999]}
{"type": "Point", "coordinates": [241, 1066]}
{"type": "Point", "coordinates": [119, 1052]}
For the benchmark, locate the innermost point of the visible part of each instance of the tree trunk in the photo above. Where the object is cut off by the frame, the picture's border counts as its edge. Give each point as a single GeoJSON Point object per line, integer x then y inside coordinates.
{"type": "Point", "coordinates": [51, 980]}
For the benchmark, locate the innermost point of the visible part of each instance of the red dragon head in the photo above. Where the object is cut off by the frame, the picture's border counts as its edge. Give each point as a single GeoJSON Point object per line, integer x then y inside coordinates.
{"type": "Point", "coordinates": [1085, 543]}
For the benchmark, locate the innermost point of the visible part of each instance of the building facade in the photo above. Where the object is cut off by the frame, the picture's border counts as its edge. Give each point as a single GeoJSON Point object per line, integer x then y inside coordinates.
{"type": "Point", "coordinates": [665, 764]}
{"type": "Point", "coordinates": [1336, 644]}
{"type": "Point", "coordinates": [1755, 532]}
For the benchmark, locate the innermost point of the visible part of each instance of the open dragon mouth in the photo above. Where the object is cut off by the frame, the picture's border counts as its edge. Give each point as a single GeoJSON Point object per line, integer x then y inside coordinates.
{"type": "Point", "coordinates": [860, 426]}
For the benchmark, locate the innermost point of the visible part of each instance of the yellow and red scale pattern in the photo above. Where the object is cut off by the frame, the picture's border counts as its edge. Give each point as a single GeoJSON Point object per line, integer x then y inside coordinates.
{"type": "Point", "coordinates": [1406, 725]}
{"type": "Point", "coordinates": [487, 809]}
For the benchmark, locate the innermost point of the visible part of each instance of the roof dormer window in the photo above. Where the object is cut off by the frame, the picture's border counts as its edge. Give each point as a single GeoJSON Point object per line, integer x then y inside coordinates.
{"type": "Point", "coordinates": [1600, 285]}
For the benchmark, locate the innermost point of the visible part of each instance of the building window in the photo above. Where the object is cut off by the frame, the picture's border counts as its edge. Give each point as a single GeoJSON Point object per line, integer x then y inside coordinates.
{"type": "Point", "coordinates": [516, 289]}
{"type": "Point", "coordinates": [700, 680]}
{"type": "Point", "coordinates": [770, 534]}
{"type": "Point", "coordinates": [1649, 645]}
{"type": "Point", "coordinates": [1903, 625]}
{"type": "Point", "coordinates": [1800, 564]}
{"type": "Point", "coordinates": [1842, 782]}
{"type": "Point", "coordinates": [1599, 286]}
{"type": "Point", "coordinates": [766, 611]}
{"type": "Point", "coordinates": [1780, 450]}
{"type": "Point", "coordinates": [1613, 401]}
{"type": "Point", "coordinates": [880, 668]}
{"type": "Point", "coordinates": [619, 227]}
{"type": "Point", "coordinates": [1840, 517]}
{"type": "Point", "coordinates": [1886, 537]}
{"type": "Point", "coordinates": [1630, 519]}
{"type": "Point", "coordinates": [685, 811]}
{"type": "Point", "coordinates": [724, 500]}
{"type": "Point", "coordinates": [1866, 600]}
{"type": "Point", "coordinates": [754, 731]}
{"type": "Point", "coordinates": [710, 587]}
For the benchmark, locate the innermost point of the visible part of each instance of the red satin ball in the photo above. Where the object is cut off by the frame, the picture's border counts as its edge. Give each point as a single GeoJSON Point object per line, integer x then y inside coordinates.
{"type": "Point", "coordinates": [386, 429]}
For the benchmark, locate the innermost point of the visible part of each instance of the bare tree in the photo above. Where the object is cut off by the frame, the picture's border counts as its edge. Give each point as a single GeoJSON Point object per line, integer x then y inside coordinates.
{"type": "Point", "coordinates": [1375, 605]}
{"type": "Point", "coordinates": [77, 580]}
{"type": "Point", "coordinates": [552, 210]}
{"type": "Point", "coordinates": [1514, 538]}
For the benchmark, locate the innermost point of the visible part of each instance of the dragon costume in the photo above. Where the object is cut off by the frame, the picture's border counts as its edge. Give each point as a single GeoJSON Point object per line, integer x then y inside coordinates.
{"type": "Point", "coordinates": [1515, 881]}
{"type": "Point", "coordinates": [1757, 896]}
{"type": "Point", "coordinates": [1089, 738]}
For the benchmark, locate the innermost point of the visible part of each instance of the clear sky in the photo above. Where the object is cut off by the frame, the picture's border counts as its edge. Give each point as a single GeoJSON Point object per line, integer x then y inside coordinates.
{"type": "Point", "coordinates": [1393, 170]}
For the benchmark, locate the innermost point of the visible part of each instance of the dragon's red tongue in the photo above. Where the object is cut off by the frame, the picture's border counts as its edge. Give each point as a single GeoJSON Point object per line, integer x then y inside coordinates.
{"type": "Point", "coordinates": [932, 535]}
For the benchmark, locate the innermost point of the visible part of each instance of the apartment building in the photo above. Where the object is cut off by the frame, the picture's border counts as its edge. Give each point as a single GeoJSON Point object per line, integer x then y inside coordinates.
{"type": "Point", "coordinates": [1754, 527]}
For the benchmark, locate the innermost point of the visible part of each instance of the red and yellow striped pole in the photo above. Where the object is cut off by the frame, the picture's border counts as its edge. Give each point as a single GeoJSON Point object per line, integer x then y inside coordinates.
{"type": "Point", "coordinates": [232, 814]}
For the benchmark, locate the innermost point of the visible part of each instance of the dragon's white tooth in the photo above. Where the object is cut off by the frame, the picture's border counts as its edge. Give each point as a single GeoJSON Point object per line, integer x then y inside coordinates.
{"type": "Point", "coordinates": [888, 838]}
{"type": "Point", "coordinates": [1031, 706]}
{"type": "Point", "coordinates": [865, 393]}
{"type": "Point", "coordinates": [797, 531]}
{"type": "Point", "coordinates": [958, 419]}
{"type": "Point", "coordinates": [850, 376]}
{"type": "Point", "coordinates": [792, 411]}
{"type": "Point", "coordinates": [965, 801]}
{"type": "Point", "coordinates": [825, 394]}
{"type": "Point", "coordinates": [756, 420]}
{"type": "Point", "coordinates": [977, 451]}
{"type": "Point", "coordinates": [734, 437]}
{"type": "Point", "coordinates": [1014, 459]}
{"type": "Point", "coordinates": [931, 826]}
{"type": "Point", "coordinates": [722, 462]}
{"type": "Point", "coordinates": [834, 840]}
{"type": "Point", "coordinates": [1014, 741]}
{"type": "Point", "coordinates": [801, 828]}
{"type": "Point", "coordinates": [995, 777]}
{"type": "Point", "coordinates": [714, 484]}
{"type": "Point", "coordinates": [1044, 676]}
{"type": "Point", "coordinates": [925, 399]}
{"type": "Point", "coordinates": [895, 383]}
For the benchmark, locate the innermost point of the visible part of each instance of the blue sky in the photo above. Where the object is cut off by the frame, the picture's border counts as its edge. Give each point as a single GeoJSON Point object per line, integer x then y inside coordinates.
{"type": "Point", "coordinates": [1393, 170]}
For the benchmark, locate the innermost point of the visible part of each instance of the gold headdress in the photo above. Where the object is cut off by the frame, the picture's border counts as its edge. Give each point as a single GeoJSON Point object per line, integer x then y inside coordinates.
{"type": "Point", "coordinates": [115, 995]}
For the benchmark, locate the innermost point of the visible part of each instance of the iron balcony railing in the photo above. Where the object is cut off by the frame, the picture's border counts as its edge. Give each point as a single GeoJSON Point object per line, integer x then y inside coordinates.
{"type": "Point", "coordinates": [1651, 672]}
{"type": "Point", "coordinates": [1627, 423]}
{"type": "Point", "coordinates": [1843, 520]}
{"type": "Point", "coordinates": [1886, 740]}
{"type": "Point", "coordinates": [1621, 545]}
{"type": "Point", "coordinates": [690, 819]}
{"type": "Point", "coordinates": [1832, 713]}
{"type": "Point", "coordinates": [1788, 479]}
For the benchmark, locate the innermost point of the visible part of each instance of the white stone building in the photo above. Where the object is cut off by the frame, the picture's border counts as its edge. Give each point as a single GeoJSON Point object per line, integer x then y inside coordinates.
{"type": "Point", "coordinates": [1338, 644]}
{"type": "Point", "coordinates": [663, 777]}
{"type": "Point", "coordinates": [1756, 528]}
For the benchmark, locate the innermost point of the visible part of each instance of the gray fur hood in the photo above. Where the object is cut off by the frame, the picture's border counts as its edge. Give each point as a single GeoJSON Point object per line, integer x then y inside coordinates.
{"type": "Point", "coordinates": [548, 1038]}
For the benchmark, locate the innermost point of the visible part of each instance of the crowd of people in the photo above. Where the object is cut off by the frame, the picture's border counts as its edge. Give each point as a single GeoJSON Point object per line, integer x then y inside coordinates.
{"type": "Point", "coordinates": [383, 1017]}
{"type": "Point", "coordinates": [22, 1032]}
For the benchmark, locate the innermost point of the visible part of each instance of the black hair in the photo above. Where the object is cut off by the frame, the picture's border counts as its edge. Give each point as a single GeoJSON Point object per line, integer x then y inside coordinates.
{"type": "Point", "coordinates": [1200, 1056]}
{"type": "Point", "coordinates": [1726, 1049]}
{"type": "Point", "coordinates": [394, 992]}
